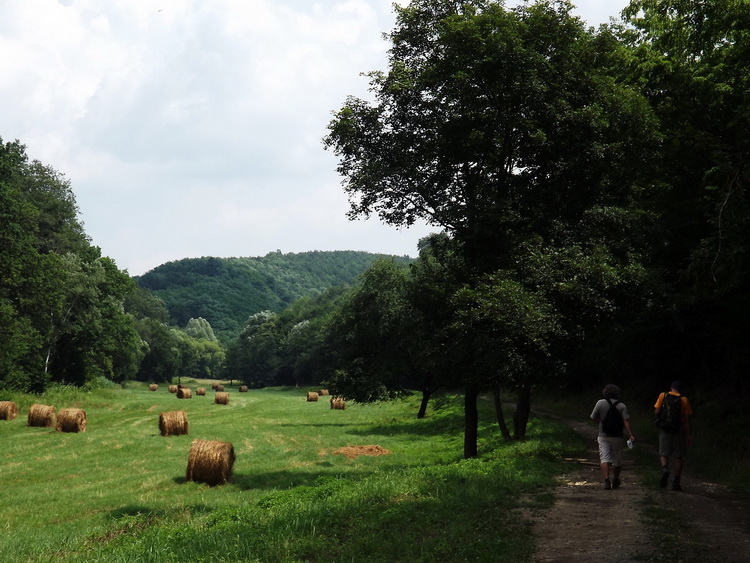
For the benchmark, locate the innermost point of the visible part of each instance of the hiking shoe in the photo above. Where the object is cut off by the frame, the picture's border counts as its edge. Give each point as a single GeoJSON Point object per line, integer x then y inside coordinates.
{"type": "Point", "coordinates": [616, 484]}
{"type": "Point", "coordinates": [607, 485]}
{"type": "Point", "coordinates": [664, 479]}
{"type": "Point", "coordinates": [676, 484]}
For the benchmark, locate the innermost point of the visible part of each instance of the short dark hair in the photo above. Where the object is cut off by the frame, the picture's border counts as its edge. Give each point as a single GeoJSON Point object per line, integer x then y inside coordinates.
{"type": "Point", "coordinates": [611, 391]}
{"type": "Point", "coordinates": [677, 385]}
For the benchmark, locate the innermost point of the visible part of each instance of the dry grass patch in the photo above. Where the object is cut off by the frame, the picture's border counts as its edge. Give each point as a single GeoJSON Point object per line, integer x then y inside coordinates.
{"type": "Point", "coordinates": [354, 451]}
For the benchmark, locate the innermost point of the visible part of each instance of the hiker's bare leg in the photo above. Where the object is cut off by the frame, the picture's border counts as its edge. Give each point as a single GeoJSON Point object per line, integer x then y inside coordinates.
{"type": "Point", "coordinates": [664, 461]}
{"type": "Point", "coordinates": [605, 470]}
{"type": "Point", "coordinates": [677, 466]}
{"type": "Point", "coordinates": [616, 472]}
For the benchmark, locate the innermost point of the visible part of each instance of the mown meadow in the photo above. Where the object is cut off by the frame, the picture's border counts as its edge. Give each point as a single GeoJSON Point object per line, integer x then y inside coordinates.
{"type": "Point", "coordinates": [117, 492]}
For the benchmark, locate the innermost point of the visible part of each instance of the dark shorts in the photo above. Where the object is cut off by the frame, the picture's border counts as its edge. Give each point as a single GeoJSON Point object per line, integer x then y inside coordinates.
{"type": "Point", "coordinates": [672, 445]}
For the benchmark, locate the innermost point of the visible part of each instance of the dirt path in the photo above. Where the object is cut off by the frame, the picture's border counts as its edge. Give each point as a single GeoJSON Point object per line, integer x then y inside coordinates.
{"type": "Point", "coordinates": [590, 524]}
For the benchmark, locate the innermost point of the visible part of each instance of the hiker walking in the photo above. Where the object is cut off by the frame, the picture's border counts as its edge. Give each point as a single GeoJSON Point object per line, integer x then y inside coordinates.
{"type": "Point", "coordinates": [613, 419]}
{"type": "Point", "coordinates": [673, 413]}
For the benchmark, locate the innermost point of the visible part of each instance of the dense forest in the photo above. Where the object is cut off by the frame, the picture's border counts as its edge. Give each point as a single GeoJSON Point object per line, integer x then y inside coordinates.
{"type": "Point", "coordinates": [589, 190]}
{"type": "Point", "coordinates": [226, 291]}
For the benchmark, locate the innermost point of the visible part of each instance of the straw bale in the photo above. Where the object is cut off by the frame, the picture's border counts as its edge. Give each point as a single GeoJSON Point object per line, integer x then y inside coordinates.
{"type": "Point", "coordinates": [323, 392]}
{"type": "Point", "coordinates": [42, 415]}
{"type": "Point", "coordinates": [71, 420]}
{"type": "Point", "coordinates": [312, 396]}
{"type": "Point", "coordinates": [200, 391]}
{"type": "Point", "coordinates": [210, 462]}
{"type": "Point", "coordinates": [220, 388]}
{"type": "Point", "coordinates": [243, 388]}
{"type": "Point", "coordinates": [153, 387]}
{"type": "Point", "coordinates": [221, 398]}
{"type": "Point", "coordinates": [172, 388]}
{"type": "Point", "coordinates": [173, 423]}
{"type": "Point", "coordinates": [214, 386]}
{"type": "Point", "coordinates": [8, 410]}
{"type": "Point", "coordinates": [338, 403]}
{"type": "Point", "coordinates": [184, 393]}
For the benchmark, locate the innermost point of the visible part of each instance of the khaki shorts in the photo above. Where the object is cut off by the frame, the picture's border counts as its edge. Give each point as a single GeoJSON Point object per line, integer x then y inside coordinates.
{"type": "Point", "coordinates": [672, 445]}
{"type": "Point", "coordinates": [610, 450]}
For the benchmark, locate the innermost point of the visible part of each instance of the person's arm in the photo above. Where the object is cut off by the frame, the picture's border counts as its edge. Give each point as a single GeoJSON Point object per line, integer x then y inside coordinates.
{"type": "Point", "coordinates": [686, 425]}
{"type": "Point", "coordinates": [659, 403]}
{"type": "Point", "coordinates": [630, 429]}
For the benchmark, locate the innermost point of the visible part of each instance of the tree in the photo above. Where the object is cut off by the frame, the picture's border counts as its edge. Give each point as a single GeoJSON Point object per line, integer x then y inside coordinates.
{"type": "Point", "coordinates": [504, 128]}
{"type": "Point", "coordinates": [370, 334]}
{"type": "Point", "coordinates": [693, 64]}
{"type": "Point", "coordinates": [60, 300]}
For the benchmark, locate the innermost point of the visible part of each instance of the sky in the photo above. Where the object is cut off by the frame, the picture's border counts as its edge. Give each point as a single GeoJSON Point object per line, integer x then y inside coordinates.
{"type": "Point", "coordinates": [192, 128]}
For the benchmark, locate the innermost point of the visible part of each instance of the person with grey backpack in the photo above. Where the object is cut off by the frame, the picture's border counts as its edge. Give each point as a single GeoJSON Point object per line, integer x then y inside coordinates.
{"type": "Point", "coordinates": [612, 416]}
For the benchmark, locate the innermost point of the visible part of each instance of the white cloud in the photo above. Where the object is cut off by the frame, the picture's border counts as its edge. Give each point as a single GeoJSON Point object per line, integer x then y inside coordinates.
{"type": "Point", "coordinates": [192, 128]}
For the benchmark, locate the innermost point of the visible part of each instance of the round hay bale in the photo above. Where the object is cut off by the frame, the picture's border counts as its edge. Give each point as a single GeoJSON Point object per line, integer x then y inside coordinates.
{"type": "Point", "coordinates": [323, 392]}
{"type": "Point", "coordinates": [214, 386]}
{"type": "Point", "coordinates": [243, 388]}
{"type": "Point", "coordinates": [338, 403]}
{"type": "Point", "coordinates": [172, 388]}
{"type": "Point", "coordinates": [184, 393]}
{"type": "Point", "coordinates": [221, 398]}
{"type": "Point", "coordinates": [8, 410]}
{"type": "Point", "coordinates": [210, 462]}
{"type": "Point", "coordinates": [220, 388]}
{"type": "Point", "coordinates": [42, 415]}
{"type": "Point", "coordinates": [153, 387]}
{"type": "Point", "coordinates": [174, 423]}
{"type": "Point", "coordinates": [71, 420]}
{"type": "Point", "coordinates": [312, 396]}
{"type": "Point", "coordinates": [200, 391]}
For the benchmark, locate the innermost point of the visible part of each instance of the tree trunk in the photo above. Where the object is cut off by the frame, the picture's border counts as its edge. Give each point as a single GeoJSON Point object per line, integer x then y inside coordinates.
{"type": "Point", "coordinates": [523, 409]}
{"type": "Point", "coordinates": [426, 394]}
{"type": "Point", "coordinates": [471, 422]}
{"type": "Point", "coordinates": [499, 413]}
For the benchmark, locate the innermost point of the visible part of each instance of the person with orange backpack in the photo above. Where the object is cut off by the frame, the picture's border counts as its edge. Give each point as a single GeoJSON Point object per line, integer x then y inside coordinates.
{"type": "Point", "coordinates": [673, 412]}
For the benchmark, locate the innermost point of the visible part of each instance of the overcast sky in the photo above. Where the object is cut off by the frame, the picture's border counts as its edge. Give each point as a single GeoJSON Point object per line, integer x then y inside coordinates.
{"type": "Point", "coordinates": [193, 128]}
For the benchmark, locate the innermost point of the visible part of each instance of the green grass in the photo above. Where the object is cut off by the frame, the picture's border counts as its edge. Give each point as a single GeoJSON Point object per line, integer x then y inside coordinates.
{"type": "Point", "coordinates": [117, 492]}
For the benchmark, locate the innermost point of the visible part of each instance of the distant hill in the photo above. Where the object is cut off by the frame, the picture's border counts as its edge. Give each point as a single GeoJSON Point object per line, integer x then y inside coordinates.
{"type": "Point", "coordinates": [226, 291]}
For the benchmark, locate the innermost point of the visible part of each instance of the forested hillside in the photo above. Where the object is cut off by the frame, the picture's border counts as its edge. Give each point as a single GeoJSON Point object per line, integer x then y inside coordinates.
{"type": "Point", "coordinates": [227, 291]}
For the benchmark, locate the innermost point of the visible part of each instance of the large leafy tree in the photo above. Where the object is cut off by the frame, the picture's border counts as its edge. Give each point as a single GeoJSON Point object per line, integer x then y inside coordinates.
{"type": "Point", "coordinates": [505, 129]}
{"type": "Point", "coordinates": [693, 64]}
{"type": "Point", "coordinates": [60, 301]}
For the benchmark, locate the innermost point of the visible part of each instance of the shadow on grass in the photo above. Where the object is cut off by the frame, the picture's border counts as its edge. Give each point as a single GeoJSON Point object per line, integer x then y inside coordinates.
{"type": "Point", "coordinates": [289, 479]}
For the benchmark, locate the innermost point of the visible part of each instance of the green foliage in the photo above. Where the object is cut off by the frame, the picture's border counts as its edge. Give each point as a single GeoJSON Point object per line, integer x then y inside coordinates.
{"type": "Point", "coordinates": [61, 313]}
{"type": "Point", "coordinates": [226, 291]}
{"type": "Point", "coordinates": [286, 348]}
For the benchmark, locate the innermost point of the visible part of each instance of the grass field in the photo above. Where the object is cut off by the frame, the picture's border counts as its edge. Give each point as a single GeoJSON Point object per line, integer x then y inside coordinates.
{"type": "Point", "coordinates": [117, 492]}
